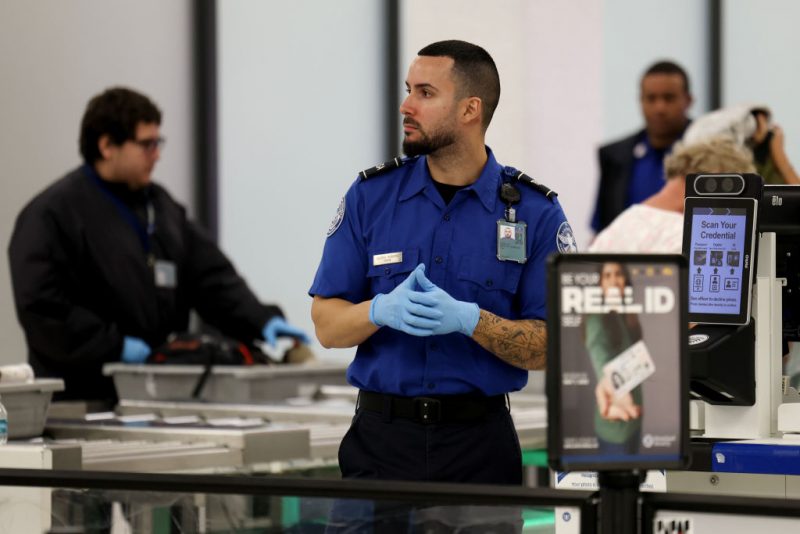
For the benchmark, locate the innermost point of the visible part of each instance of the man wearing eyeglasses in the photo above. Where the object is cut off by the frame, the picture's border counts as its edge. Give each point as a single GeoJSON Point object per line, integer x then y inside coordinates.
{"type": "Point", "coordinates": [105, 264]}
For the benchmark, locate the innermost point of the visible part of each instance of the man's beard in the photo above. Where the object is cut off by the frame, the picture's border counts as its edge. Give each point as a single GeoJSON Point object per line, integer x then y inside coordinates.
{"type": "Point", "coordinates": [428, 144]}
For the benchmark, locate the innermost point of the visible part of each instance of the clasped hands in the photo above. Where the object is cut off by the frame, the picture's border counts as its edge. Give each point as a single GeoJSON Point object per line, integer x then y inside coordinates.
{"type": "Point", "coordinates": [421, 308]}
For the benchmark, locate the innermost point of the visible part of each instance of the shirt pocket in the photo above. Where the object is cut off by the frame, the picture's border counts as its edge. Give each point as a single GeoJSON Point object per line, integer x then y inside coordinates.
{"type": "Point", "coordinates": [490, 283]}
{"type": "Point", "coordinates": [384, 278]}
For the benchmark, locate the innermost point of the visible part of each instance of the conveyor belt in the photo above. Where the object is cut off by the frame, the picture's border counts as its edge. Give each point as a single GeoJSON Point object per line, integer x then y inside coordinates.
{"type": "Point", "coordinates": [159, 456]}
{"type": "Point", "coordinates": [328, 415]}
{"type": "Point", "coordinates": [258, 443]}
{"type": "Point", "coordinates": [326, 425]}
{"type": "Point", "coordinates": [310, 412]}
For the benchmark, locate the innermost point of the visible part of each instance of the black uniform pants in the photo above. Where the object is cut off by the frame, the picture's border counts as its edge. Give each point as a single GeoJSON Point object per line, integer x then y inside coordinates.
{"type": "Point", "coordinates": [382, 445]}
{"type": "Point", "coordinates": [379, 445]}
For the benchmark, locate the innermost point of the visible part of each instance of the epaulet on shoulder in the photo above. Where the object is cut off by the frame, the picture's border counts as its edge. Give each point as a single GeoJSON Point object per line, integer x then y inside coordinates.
{"type": "Point", "coordinates": [519, 176]}
{"type": "Point", "coordinates": [384, 167]}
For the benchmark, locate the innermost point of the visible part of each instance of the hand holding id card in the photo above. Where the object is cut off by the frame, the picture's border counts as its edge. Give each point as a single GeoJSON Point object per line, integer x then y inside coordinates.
{"type": "Point", "coordinates": [629, 368]}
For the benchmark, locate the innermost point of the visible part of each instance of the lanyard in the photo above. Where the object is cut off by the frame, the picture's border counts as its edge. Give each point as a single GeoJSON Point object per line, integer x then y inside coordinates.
{"type": "Point", "coordinates": [145, 233]}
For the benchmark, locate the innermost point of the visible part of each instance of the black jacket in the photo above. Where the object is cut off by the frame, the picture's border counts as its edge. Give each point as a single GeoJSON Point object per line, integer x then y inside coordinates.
{"type": "Point", "coordinates": [616, 165]}
{"type": "Point", "coordinates": [82, 281]}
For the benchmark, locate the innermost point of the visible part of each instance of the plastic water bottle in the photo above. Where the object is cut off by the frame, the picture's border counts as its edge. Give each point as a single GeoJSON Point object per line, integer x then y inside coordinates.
{"type": "Point", "coordinates": [3, 424]}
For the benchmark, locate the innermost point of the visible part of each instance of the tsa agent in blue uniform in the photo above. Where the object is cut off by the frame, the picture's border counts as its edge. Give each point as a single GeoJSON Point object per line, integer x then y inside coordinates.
{"type": "Point", "coordinates": [434, 266]}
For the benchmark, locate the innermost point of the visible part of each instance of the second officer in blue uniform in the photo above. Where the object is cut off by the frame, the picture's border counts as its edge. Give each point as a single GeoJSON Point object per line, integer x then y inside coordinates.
{"type": "Point", "coordinates": [447, 316]}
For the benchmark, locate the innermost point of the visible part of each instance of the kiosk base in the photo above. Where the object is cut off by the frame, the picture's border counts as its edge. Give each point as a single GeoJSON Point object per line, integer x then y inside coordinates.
{"type": "Point", "coordinates": [723, 364]}
{"type": "Point", "coordinates": [619, 501]}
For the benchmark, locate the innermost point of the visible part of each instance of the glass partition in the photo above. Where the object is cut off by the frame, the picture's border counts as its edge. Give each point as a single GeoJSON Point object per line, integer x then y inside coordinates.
{"type": "Point", "coordinates": [71, 501]}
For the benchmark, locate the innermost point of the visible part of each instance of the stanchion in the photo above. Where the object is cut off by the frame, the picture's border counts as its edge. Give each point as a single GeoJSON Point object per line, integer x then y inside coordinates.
{"type": "Point", "coordinates": [619, 496]}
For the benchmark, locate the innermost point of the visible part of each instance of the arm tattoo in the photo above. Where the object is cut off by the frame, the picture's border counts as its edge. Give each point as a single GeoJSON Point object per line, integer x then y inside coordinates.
{"type": "Point", "coordinates": [522, 344]}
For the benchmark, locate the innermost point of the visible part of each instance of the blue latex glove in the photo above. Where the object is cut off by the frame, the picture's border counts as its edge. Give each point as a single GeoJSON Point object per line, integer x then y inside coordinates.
{"type": "Point", "coordinates": [277, 326]}
{"type": "Point", "coordinates": [134, 350]}
{"type": "Point", "coordinates": [397, 310]}
{"type": "Point", "coordinates": [457, 315]}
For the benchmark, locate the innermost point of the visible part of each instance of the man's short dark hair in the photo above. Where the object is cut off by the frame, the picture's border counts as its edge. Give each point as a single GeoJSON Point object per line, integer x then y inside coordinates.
{"type": "Point", "coordinates": [115, 112]}
{"type": "Point", "coordinates": [668, 67]}
{"type": "Point", "coordinates": [475, 72]}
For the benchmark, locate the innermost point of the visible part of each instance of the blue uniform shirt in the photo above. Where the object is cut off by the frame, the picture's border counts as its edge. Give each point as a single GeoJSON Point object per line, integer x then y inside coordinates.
{"type": "Point", "coordinates": [401, 211]}
{"type": "Point", "coordinates": [646, 177]}
{"type": "Point", "coordinates": [647, 174]}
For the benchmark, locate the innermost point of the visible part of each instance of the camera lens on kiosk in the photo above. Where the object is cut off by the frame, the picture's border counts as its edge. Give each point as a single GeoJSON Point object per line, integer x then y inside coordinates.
{"type": "Point", "coordinates": [727, 184]}
{"type": "Point", "coordinates": [710, 185]}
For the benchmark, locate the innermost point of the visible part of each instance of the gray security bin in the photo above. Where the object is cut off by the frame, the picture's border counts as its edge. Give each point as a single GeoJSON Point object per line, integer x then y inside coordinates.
{"type": "Point", "coordinates": [27, 404]}
{"type": "Point", "coordinates": [227, 383]}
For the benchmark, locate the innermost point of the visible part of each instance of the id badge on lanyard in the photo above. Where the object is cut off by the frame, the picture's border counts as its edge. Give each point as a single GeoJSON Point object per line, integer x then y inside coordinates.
{"type": "Point", "coordinates": [511, 234]}
{"type": "Point", "coordinates": [511, 241]}
{"type": "Point", "coordinates": [165, 274]}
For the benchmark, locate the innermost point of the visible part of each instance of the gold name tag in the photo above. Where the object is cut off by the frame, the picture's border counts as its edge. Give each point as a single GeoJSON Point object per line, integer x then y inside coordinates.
{"type": "Point", "coordinates": [386, 259]}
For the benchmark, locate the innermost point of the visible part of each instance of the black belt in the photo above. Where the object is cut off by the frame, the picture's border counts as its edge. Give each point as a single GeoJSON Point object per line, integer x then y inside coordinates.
{"type": "Point", "coordinates": [430, 410]}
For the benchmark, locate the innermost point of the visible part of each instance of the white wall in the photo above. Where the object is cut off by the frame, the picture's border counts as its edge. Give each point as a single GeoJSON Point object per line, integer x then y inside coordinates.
{"type": "Point", "coordinates": [300, 95]}
{"type": "Point", "coordinates": [637, 33]}
{"type": "Point", "coordinates": [759, 51]}
{"type": "Point", "coordinates": [54, 56]}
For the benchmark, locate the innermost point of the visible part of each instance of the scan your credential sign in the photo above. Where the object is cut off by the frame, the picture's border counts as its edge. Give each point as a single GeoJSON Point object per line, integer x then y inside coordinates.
{"type": "Point", "coordinates": [719, 240]}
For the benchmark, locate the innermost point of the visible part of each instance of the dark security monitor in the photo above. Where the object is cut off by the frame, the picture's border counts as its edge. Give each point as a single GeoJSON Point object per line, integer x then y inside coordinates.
{"type": "Point", "coordinates": [779, 212]}
{"type": "Point", "coordinates": [617, 373]}
{"type": "Point", "coordinates": [719, 240]}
